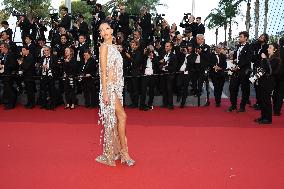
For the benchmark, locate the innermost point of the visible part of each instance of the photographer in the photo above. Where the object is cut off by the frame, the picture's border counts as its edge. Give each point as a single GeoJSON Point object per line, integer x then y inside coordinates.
{"type": "Point", "coordinates": [135, 57]}
{"type": "Point", "coordinates": [145, 24]}
{"type": "Point", "coordinates": [189, 24]}
{"type": "Point", "coordinates": [168, 65]}
{"type": "Point", "coordinates": [200, 29]}
{"type": "Point", "coordinates": [49, 71]}
{"type": "Point", "coordinates": [8, 30]}
{"type": "Point", "coordinates": [150, 66]}
{"type": "Point", "coordinates": [184, 78]}
{"type": "Point", "coordinates": [69, 74]}
{"type": "Point", "coordinates": [25, 26]}
{"type": "Point", "coordinates": [217, 73]}
{"type": "Point", "coordinates": [27, 65]}
{"type": "Point", "coordinates": [38, 29]}
{"type": "Point", "coordinates": [65, 19]}
{"type": "Point", "coordinates": [5, 37]}
{"type": "Point", "coordinates": [81, 28]}
{"type": "Point", "coordinates": [98, 17]}
{"type": "Point", "coordinates": [269, 68]}
{"type": "Point", "coordinates": [123, 22]}
{"type": "Point", "coordinates": [8, 66]}
{"type": "Point", "coordinates": [278, 92]}
{"type": "Point", "coordinates": [242, 60]}
{"type": "Point", "coordinates": [88, 72]}
{"type": "Point", "coordinates": [259, 47]}
{"type": "Point", "coordinates": [199, 64]}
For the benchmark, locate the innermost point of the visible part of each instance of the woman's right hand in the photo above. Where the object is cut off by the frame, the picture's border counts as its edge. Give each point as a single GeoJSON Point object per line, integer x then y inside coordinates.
{"type": "Point", "coordinates": [105, 99]}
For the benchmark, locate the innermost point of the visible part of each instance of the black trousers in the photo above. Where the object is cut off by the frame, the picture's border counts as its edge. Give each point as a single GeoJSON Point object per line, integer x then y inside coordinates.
{"type": "Point", "coordinates": [134, 90]}
{"type": "Point", "coordinates": [278, 95]}
{"type": "Point", "coordinates": [147, 82]}
{"type": "Point", "coordinates": [69, 90]}
{"type": "Point", "coordinates": [167, 83]}
{"type": "Point", "coordinates": [237, 80]}
{"type": "Point", "coordinates": [30, 91]}
{"type": "Point", "coordinates": [218, 83]}
{"type": "Point", "coordinates": [48, 92]}
{"type": "Point", "coordinates": [182, 86]}
{"type": "Point", "coordinates": [266, 86]}
{"type": "Point", "coordinates": [89, 90]}
{"type": "Point", "coordinates": [197, 78]}
{"type": "Point", "coordinates": [9, 93]}
{"type": "Point", "coordinates": [257, 91]}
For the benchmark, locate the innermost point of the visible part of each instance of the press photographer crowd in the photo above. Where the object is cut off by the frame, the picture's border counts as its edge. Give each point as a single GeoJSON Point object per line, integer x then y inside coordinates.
{"type": "Point", "coordinates": [158, 60]}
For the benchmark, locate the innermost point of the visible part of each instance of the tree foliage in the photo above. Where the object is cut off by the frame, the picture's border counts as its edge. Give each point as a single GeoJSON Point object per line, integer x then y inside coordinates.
{"type": "Point", "coordinates": [132, 6]}
{"type": "Point", "coordinates": [32, 8]}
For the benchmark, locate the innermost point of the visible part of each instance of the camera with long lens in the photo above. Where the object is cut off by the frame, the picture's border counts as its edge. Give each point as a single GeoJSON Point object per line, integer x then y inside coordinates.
{"type": "Point", "coordinates": [159, 19]}
{"type": "Point", "coordinates": [54, 17]}
{"type": "Point", "coordinates": [259, 73]}
{"type": "Point", "coordinates": [17, 14]}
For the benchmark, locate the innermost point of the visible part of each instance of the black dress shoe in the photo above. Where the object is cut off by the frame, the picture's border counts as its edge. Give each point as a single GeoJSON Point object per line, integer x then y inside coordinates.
{"type": "Point", "coordinates": [163, 106]}
{"type": "Point", "coordinates": [242, 109]}
{"type": "Point", "coordinates": [231, 109]}
{"type": "Point", "coordinates": [8, 107]}
{"type": "Point", "coordinates": [265, 121]}
{"type": "Point", "coordinates": [144, 108]}
{"type": "Point", "coordinates": [249, 102]}
{"type": "Point", "coordinates": [132, 106]}
{"type": "Point", "coordinates": [218, 105]}
{"type": "Point", "coordinates": [29, 107]}
{"type": "Point", "coordinates": [207, 104]}
{"type": "Point", "coordinates": [182, 106]}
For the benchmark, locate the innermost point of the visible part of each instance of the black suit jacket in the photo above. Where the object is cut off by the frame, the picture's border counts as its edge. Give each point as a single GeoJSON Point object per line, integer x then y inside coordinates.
{"type": "Point", "coordinates": [70, 68]}
{"type": "Point", "coordinates": [53, 65]}
{"type": "Point", "coordinates": [83, 29]}
{"type": "Point", "coordinates": [28, 67]}
{"type": "Point", "coordinates": [155, 64]}
{"type": "Point", "coordinates": [66, 22]}
{"type": "Point", "coordinates": [9, 31]}
{"type": "Point", "coordinates": [200, 29]}
{"type": "Point", "coordinates": [10, 64]}
{"type": "Point", "coordinates": [222, 64]}
{"type": "Point", "coordinates": [172, 63]}
{"type": "Point", "coordinates": [146, 23]}
{"type": "Point", "coordinates": [245, 57]}
{"type": "Point", "coordinates": [136, 61]}
{"type": "Point", "coordinates": [89, 68]}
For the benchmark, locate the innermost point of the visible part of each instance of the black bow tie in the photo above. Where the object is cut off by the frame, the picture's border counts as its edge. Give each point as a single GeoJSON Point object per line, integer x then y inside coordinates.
{"type": "Point", "coordinates": [47, 57]}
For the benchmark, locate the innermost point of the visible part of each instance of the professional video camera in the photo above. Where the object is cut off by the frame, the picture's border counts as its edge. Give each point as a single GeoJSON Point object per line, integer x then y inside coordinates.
{"type": "Point", "coordinates": [185, 21]}
{"type": "Point", "coordinates": [186, 17]}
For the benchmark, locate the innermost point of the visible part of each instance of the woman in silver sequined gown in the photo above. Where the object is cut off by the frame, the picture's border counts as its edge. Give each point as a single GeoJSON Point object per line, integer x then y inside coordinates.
{"type": "Point", "coordinates": [112, 114]}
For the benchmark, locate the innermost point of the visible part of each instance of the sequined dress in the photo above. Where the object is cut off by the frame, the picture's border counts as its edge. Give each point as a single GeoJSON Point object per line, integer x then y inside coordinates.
{"type": "Point", "coordinates": [107, 117]}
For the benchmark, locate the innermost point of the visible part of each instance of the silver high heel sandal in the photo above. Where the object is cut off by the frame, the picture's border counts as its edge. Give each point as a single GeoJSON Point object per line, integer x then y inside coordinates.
{"type": "Point", "coordinates": [129, 162]}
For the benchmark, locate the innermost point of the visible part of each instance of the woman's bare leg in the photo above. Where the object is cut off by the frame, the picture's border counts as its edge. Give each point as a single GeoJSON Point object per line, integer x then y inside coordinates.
{"type": "Point", "coordinates": [121, 122]}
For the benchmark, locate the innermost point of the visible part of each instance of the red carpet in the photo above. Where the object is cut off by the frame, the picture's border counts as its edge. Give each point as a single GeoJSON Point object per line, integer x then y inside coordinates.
{"type": "Point", "coordinates": [196, 148]}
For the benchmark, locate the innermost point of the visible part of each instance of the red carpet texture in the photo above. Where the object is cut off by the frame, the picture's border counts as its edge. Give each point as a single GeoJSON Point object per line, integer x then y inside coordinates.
{"type": "Point", "coordinates": [195, 148]}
